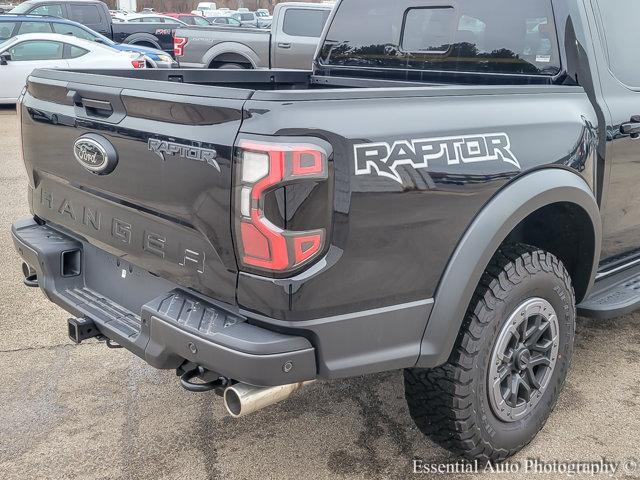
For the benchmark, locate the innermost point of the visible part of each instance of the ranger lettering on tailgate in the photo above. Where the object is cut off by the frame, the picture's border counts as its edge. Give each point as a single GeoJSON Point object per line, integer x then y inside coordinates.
{"type": "Point", "coordinates": [119, 232]}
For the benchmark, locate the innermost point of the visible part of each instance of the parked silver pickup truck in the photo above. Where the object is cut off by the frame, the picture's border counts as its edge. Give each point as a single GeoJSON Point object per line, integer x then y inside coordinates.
{"type": "Point", "coordinates": [290, 43]}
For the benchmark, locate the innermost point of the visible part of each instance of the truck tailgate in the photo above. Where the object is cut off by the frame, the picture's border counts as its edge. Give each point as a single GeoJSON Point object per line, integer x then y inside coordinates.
{"type": "Point", "coordinates": [142, 174]}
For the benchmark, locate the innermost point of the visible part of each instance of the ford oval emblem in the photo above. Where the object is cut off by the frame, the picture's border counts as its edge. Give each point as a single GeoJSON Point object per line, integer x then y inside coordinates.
{"type": "Point", "coordinates": [95, 153]}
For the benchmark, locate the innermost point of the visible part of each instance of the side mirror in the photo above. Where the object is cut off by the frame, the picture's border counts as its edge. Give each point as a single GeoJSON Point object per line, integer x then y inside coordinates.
{"type": "Point", "coordinates": [5, 58]}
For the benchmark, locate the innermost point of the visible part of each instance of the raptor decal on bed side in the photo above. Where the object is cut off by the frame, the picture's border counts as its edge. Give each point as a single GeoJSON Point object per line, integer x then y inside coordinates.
{"type": "Point", "coordinates": [384, 159]}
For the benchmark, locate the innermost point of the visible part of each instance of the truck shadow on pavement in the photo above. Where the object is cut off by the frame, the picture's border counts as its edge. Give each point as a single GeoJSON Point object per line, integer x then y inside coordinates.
{"type": "Point", "coordinates": [7, 109]}
{"type": "Point", "coordinates": [361, 428]}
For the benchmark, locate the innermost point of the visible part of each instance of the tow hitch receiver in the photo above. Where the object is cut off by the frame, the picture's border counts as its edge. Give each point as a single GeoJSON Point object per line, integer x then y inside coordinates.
{"type": "Point", "coordinates": [82, 329]}
{"type": "Point", "coordinates": [208, 380]}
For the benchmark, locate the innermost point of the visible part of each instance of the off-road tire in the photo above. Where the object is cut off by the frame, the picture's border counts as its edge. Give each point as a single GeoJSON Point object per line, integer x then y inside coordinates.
{"type": "Point", "coordinates": [231, 66]}
{"type": "Point", "coordinates": [450, 404]}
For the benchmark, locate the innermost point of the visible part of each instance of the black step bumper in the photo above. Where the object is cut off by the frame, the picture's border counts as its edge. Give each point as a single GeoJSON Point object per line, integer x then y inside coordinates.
{"type": "Point", "coordinates": [155, 319]}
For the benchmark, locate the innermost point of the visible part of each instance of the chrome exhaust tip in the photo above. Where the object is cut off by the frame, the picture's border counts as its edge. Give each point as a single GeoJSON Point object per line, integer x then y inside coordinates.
{"type": "Point", "coordinates": [242, 399]}
{"type": "Point", "coordinates": [30, 275]}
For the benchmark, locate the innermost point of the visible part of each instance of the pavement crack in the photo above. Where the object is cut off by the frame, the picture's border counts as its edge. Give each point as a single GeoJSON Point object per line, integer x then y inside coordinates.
{"type": "Point", "coordinates": [48, 347]}
{"type": "Point", "coordinates": [205, 429]}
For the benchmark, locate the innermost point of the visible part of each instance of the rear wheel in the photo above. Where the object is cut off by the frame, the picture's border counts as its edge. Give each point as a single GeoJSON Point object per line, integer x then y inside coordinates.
{"type": "Point", "coordinates": [510, 361]}
{"type": "Point", "coordinates": [230, 66]}
{"type": "Point", "coordinates": [144, 44]}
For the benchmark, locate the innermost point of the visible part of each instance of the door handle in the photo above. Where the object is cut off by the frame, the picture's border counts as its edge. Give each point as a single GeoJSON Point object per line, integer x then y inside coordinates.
{"type": "Point", "coordinates": [632, 127]}
{"type": "Point", "coordinates": [284, 45]}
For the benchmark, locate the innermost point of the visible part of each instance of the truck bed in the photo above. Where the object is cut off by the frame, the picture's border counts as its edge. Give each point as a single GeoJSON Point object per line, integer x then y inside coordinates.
{"type": "Point", "coordinates": [275, 84]}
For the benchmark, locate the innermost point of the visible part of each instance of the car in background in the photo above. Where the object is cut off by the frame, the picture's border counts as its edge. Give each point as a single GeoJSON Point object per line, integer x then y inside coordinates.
{"type": "Point", "coordinates": [205, 9]}
{"type": "Point", "coordinates": [190, 18]}
{"type": "Point", "coordinates": [265, 19]}
{"type": "Point", "coordinates": [12, 25]}
{"type": "Point", "coordinates": [246, 19]}
{"type": "Point", "coordinates": [20, 55]}
{"type": "Point", "coordinates": [95, 15]}
{"type": "Point", "coordinates": [120, 11]}
{"type": "Point", "coordinates": [225, 20]}
{"type": "Point", "coordinates": [151, 18]}
{"type": "Point", "coordinates": [5, 7]}
{"type": "Point", "coordinates": [243, 10]}
{"type": "Point", "coordinates": [263, 14]}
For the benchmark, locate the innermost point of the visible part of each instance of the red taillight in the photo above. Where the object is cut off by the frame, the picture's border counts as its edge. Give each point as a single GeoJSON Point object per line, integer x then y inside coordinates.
{"type": "Point", "coordinates": [178, 46]}
{"type": "Point", "coordinates": [262, 168]}
{"type": "Point", "coordinates": [138, 63]}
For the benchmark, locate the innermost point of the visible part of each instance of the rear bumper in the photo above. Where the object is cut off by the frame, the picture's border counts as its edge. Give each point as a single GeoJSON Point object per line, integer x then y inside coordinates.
{"type": "Point", "coordinates": [158, 321]}
{"type": "Point", "coordinates": [165, 324]}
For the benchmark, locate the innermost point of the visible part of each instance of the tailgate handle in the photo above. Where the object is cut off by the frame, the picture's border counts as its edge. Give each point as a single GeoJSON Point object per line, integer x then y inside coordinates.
{"type": "Point", "coordinates": [97, 102]}
{"type": "Point", "coordinates": [98, 108]}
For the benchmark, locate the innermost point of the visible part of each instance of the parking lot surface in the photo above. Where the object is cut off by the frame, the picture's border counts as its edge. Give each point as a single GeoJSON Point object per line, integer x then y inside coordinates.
{"type": "Point", "coordinates": [88, 412]}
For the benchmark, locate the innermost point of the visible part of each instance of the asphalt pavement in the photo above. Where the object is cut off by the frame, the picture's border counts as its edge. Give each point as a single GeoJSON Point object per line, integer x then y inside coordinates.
{"type": "Point", "coordinates": [89, 412]}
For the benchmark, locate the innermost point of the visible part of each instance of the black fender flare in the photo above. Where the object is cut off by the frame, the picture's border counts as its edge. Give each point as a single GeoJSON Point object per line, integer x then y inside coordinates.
{"type": "Point", "coordinates": [482, 239]}
{"type": "Point", "coordinates": [142, 37]}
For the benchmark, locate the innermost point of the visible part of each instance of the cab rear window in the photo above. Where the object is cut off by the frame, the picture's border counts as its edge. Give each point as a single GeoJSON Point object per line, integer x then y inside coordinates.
{"type": "Point", "coordinates": [305, 22]}
{"type": "Point", "coordinates": [491, 36]}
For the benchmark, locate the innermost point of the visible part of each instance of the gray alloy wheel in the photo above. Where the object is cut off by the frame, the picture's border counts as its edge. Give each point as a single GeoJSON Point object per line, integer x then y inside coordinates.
{"type": "Point", "coordinates": [523, 359]}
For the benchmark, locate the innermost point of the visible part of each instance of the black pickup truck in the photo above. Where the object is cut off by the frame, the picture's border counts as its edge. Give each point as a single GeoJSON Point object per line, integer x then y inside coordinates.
{"type": "Point", "coordinates": [438, 195]}
{"type": "Point", "coordinates": [95, 15]}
